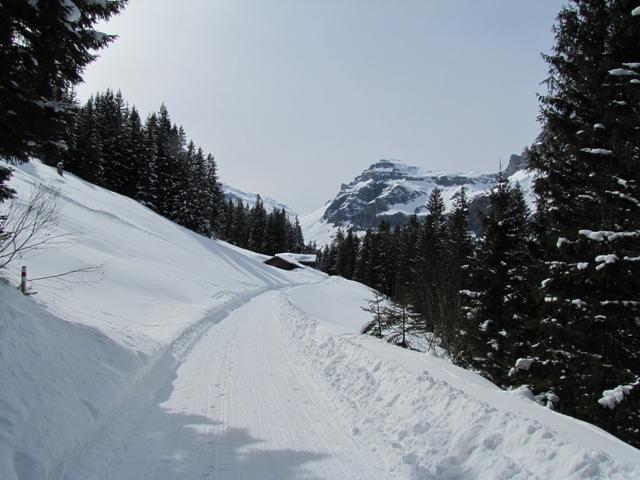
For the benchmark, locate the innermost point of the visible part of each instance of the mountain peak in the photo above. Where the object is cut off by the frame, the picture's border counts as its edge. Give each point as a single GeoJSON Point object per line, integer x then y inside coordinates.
{"type": "Point", "coordinates": [391, 190]}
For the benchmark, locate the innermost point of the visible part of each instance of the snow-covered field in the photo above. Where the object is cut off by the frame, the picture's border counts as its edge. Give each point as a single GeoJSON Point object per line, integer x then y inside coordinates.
{"type": "Point", "coordinates": [188, 358]}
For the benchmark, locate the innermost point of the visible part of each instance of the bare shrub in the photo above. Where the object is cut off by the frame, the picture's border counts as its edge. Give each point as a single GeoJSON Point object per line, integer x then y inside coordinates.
{"type": "Point", "coordinates": [28, 227]}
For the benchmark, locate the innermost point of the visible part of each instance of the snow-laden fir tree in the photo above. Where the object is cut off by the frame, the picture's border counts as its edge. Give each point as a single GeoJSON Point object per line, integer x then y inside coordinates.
{"type": "Point", "coordinates": [498, 307]}
{"type": "Point", "coordinates": [44, 48]}
{"type": "Point", "coordinates": [589, 205]}
{"type": "Point", "coordinates": [459, 252]}
{"type": "Point", "coordinates": [430, 265]}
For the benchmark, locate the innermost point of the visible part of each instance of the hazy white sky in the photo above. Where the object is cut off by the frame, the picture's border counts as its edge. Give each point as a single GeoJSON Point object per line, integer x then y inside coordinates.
{"type": "Point", "coordinates": [294, 97]}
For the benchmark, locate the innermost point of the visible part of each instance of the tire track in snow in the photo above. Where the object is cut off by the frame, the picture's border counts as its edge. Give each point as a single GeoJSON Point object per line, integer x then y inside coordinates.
{"type": "Point", "coordinates": [238, 408]}
{"type": "Point", "coordinates": [105, 445]}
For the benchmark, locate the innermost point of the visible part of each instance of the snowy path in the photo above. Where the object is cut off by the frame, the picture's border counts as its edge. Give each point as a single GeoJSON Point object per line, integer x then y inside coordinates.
{"type": "Point", "coordinates": [241, 406]}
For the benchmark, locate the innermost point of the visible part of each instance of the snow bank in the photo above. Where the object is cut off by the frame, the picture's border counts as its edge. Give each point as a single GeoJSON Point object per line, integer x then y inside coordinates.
{"type": "Point", "coordinates": [336, 303]}
{"type": "Point", "coordinates": [58, 379]}
{"type": "Point", "coordinates": [72, 354]}
{"type": "Point", "coordinates": [434, 419]}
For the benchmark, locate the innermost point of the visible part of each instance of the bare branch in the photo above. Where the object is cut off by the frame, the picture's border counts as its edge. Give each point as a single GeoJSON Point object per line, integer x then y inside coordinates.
{"type": "Point", "coordinates": [27, 227]}
{"type": "Point", "coordinates": [72, 276]}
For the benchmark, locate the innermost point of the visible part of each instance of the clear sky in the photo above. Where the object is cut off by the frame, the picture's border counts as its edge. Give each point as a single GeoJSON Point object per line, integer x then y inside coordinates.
{"type": "Point", "coordinates": [294, 97]}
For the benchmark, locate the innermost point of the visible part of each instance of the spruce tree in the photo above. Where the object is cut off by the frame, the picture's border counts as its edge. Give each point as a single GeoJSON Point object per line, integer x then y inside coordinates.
{"type": "Point", "coordinates": [382, 253]}
{"type": "Point", "coordinates": [258, 225]}
{"type": "Point", "coordinates": [333, 253]}
{"type": "Point", "coordinates": [499, 308]}
{"type": "Point", "coordinates": [85, 157]}
{"type": "Point", "coordinates": [405, 282]}
{"type": "Point", "coordinates": [589, 206]}
{"type": "Point", "coordinates": [215, 197]}
{"type": "Point", "coordinates": [5, 191]}
{"type": "Point", "coordinates": [137, 155]}
{"type": "Point", "coordinates": [297, 239]}
{"type": "Point", "coordinates": [44, 48]}
{"type": "Point", "coordinates": [147, 185]}
{"type": "Point", "coordinates": [429, 266]}
{"type": "Point", "coordinates": [364, 264]}
{"type": "Point", "coordinates": [459, 253]}
{"type": "Point", "coordinates": [240, 229]}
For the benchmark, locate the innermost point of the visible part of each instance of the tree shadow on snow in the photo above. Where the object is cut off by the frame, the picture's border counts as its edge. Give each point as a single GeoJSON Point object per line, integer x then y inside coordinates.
{"type": "Point", "coordinates": [195, 446]}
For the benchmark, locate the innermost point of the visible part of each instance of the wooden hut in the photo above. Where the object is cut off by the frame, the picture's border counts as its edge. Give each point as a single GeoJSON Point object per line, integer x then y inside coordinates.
{"type": "Point", "coordinates": [291, 261]}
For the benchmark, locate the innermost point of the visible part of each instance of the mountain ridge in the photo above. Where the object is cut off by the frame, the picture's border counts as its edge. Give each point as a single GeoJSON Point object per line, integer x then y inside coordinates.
{"type": "Point", "coordinates": [392, 190]}
{"type": "Point", "coordinates": [270, 204]}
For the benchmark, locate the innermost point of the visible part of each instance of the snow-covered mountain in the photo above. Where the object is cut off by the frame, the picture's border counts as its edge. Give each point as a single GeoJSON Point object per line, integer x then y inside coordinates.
{"type": "Point", "coordinates": [250, 199]}
{"type": "Point", "coordinates": [392, 191]}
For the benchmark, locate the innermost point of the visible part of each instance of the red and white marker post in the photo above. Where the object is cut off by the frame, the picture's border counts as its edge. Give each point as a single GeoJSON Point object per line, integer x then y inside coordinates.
{"type": "Point", "coordinates": [23, 280]}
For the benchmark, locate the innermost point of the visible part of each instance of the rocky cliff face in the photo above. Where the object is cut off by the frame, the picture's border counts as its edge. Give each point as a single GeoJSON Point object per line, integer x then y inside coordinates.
{"type": "Point", "coordinates": [391, 191]}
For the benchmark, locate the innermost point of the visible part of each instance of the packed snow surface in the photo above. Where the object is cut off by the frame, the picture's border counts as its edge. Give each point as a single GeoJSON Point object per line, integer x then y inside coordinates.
{"type": "Point", "coordinates": [189, 358]}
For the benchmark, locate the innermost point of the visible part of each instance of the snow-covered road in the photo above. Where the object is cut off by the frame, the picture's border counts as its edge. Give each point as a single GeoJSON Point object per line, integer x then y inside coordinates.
{"type": "Point", "coordinates": [240, 405]}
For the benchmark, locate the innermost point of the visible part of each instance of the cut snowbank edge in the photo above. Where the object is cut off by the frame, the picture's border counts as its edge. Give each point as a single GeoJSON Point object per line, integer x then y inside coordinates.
{"type": "Point", "coordinates": [450, 421]}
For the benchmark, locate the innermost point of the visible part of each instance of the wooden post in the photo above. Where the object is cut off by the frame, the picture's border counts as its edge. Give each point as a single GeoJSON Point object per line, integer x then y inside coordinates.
{"type": "Point", "coordinates": [23, 280]}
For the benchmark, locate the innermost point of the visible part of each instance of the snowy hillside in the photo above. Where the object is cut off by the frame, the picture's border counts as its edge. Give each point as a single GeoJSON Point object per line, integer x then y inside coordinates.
{"type": "Point", "coordinates": [250, 199]}
{"type": "Point", "coordinates": [188, 358]}
{"type": "Point", "coordinates": [393, 191]}
{"type": "Point", "coordinates": [71, 354]}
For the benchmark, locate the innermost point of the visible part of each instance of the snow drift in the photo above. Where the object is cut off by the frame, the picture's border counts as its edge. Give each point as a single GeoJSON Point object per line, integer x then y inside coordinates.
{"type": "Point", "coordinates": [430, 419]}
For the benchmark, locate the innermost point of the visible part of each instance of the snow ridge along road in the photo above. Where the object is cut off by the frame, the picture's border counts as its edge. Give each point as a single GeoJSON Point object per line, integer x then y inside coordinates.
{"type": "Point", "coordinates": [239, 405]}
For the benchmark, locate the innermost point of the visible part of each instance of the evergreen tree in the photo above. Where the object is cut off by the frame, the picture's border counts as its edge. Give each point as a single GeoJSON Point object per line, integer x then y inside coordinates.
{"type": "Point", "coordinates": [297, 239]}
{"type": "Point", "coordinates": [147, 185]}
{"type": "Point", "coordinates": [459, 253]}
{"type": "Point", "coordinates": [429, 266]}
{"type": "Point", "coordinates": [111, 118]}
{"type": "Point", "coordinates": [405, 281]}
{"type": "Point", "coordinates": [44, 48]}
{"type": "Point", "coordinates": [325, 261]}
{"type": "Point", "coordinates": [165, 153]}
{"type": "Point", "coordinates": [187, 193]}
{"type": "Point", "coordinates": [333, 268]}
{"type": "Point", "coordinates": [589, 205]}
{"type": "Point", "coordinates": [364, 264]}
{"type": "Point", "coordinates": [383, 258]}
{"type": "Point", "coordinates": [136, 153]}
{"type": "Point", "coordinates": [85, 157]}
{"type": "Point", "coordinates": [240, 228]}
{"type": "Point", "coordinates": [500, 308]}
{"type": "Point", "coordinates": [5, 191]}
{"type": "Point", "coordinates": [258, 226]}
{"type": "Point", "coordinates": [215, 197]}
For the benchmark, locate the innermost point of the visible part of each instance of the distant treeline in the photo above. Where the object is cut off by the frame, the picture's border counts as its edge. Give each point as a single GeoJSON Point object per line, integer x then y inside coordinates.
{"type": "Point", "coordinates": [451, 280]}
{"type": "Point", "coordinates": [153, 162]}
{"type": "Point", "coordinates": [251, 227]}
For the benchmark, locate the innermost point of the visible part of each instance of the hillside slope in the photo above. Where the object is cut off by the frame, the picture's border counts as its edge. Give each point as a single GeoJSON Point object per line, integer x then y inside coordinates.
{"type": "Point", "coordinates": [70, 355]}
